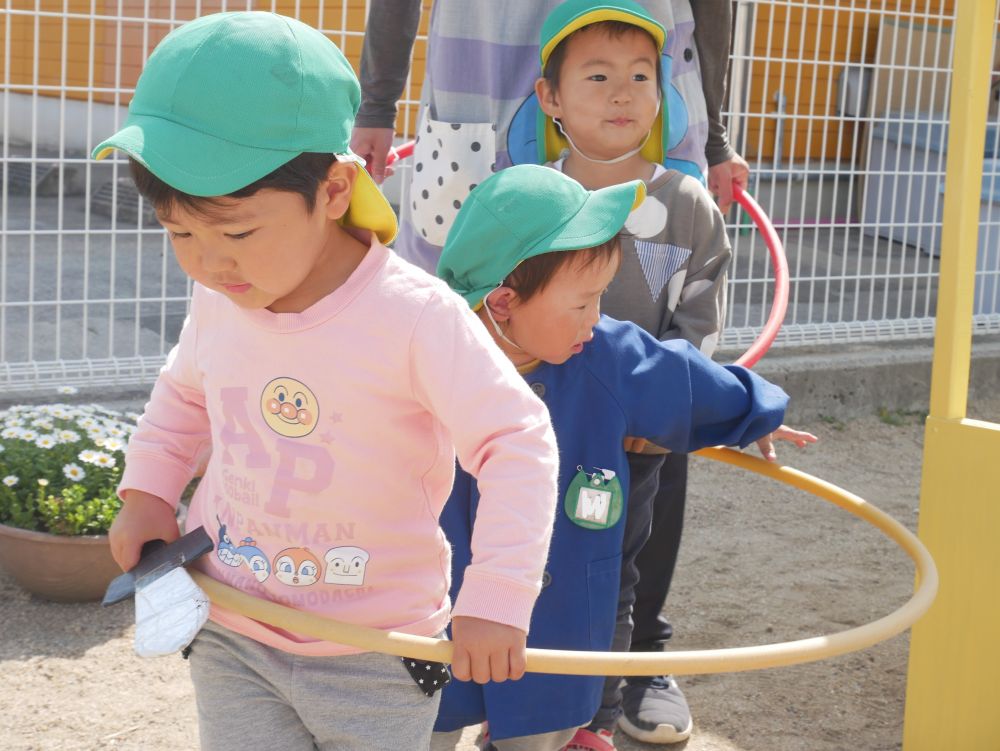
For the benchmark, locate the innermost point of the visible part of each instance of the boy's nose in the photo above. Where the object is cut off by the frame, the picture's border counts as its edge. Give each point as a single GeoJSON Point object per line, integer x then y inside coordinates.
{"type": "Point", "coordinates": [620, 95]}
{"type": "Point", "coordinates": [595, 318]}
{"type": "Point", "coordinates": [213, 260]}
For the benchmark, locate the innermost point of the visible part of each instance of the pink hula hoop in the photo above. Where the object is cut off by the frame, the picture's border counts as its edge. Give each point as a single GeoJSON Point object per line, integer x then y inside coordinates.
{"type": "Point", "coordinates": [779, 302]}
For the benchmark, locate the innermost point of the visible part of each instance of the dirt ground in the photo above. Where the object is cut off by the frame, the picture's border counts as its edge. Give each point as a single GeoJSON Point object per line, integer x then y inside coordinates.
{"type": "Point", "coordinates": [760, 563]}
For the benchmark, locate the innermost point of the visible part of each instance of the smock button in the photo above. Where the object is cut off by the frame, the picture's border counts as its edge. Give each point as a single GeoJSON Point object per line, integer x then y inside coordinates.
{"type": "Point", "coordinates": [688, 54]}
{"type": "Point", "coordinates": [539, 389]}
{"type": "Point", "coordinates": [546, 579]}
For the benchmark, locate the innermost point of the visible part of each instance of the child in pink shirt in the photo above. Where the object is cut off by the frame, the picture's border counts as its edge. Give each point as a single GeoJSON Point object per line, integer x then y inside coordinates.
{"type": "Point", "coordinates": [329, 387]}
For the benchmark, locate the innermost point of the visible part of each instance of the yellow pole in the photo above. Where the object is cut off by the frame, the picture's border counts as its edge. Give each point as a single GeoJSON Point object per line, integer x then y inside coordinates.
{"type": "Point", "coordinates": [970, 87]}
{"type": "Point", "coordinates": [954, 651]}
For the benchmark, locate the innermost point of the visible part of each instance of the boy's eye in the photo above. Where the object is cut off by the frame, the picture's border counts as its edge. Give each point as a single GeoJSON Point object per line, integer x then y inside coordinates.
{"type": "Point", "coordinates": [598, 77]}
{"type": "Point", "coordinates": [640, 77]}
{"type": "Point", "coordinates": [240, 235]}
{"type": "Point", "coordinates": [178, 235]}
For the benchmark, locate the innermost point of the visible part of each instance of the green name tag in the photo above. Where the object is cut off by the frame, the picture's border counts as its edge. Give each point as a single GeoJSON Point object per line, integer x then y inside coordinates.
{"type": "Point", "coordinates": [594, 501]}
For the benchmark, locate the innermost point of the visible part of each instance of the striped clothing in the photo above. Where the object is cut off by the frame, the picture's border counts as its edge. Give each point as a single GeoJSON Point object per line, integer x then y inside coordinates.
{"type": "Point", "coordinates": [481, 66]}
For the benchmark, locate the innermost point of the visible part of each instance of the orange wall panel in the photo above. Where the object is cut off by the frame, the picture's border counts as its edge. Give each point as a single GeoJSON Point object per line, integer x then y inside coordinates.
{"type": "Point", "coordinates": [122, 43]}
{"type": "Point", "coordinates": [807, 45]}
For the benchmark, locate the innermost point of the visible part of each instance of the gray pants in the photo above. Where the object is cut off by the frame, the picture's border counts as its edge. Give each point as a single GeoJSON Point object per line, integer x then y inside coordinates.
{"type": "Point", "coordinates": [251, 696]}
{"type": "Point", "coordinates": [544, 742]}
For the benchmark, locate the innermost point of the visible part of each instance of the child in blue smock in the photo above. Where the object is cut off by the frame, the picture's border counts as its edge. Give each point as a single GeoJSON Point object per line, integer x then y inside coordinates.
{"type": "Point", "coordinates": [532, 251]}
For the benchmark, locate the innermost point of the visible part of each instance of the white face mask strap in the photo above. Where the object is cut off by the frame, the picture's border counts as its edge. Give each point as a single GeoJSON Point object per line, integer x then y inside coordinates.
{"type": "Point", "coordinates": [496, 326]}
{"type": "Point", "coordinates": [616, 160]}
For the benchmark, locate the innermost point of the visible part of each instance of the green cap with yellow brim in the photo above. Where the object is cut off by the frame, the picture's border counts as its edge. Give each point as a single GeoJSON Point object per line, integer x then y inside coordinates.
{"type": "Point", "coordinates": [228, 98]}
{"type": "Point", "coordinates": [572, 16]}
{"type": "Point", "coordinates": [522, 212]}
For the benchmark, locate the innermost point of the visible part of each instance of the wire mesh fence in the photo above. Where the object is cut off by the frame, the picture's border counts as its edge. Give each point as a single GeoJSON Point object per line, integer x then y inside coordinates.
{"type": "Point", "coordinates": [839, 106]}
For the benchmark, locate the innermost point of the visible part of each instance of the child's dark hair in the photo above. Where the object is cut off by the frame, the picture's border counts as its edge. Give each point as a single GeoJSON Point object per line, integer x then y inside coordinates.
{"type": "Point", "coordinates": [533, 275]}
{"type": "Point", "coordinates": [615, 30]}
{"type": "Point", "coordinates": [302, 175]}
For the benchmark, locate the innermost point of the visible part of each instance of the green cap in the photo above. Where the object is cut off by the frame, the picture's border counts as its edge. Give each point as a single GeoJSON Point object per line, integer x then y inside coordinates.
{"type": "Point", "coordinates": [522, 212]}
{"type": "Point", "coordinates": [228, 98]}
{"type": "Point", "coordinates": [574, 15]}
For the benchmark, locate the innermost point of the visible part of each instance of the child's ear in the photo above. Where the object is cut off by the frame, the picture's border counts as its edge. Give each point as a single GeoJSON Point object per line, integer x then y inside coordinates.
{"type": "Point", "coordinates": [336, 190]}
{"type": "Point", "coordinates": [501, 301]}
{"type": "Point", "coordinates": [546, 96]}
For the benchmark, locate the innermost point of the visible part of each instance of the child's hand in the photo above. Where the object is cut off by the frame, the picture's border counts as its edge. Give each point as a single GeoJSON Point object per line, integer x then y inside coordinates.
{"type": "Point", "coordinates": [784, 433]}
{"type": "Point", "coordinates": [635, 445]}
{"type": "Point", "coordinates": [486, 651]}
{"type": "Point", "coordinates": [143, 517]}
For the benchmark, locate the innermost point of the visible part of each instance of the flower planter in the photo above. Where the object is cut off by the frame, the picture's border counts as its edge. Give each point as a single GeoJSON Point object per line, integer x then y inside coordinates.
{"type": "Point", "coordinates": [57, 567]}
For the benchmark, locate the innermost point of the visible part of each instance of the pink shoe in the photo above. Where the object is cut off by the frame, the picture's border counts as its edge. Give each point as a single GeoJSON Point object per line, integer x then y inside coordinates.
{"type": "Point", "coordinates": [588, 740]}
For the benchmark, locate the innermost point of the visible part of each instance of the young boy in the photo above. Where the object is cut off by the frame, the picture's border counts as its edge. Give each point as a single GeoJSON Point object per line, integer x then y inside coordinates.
{"type": "Point", "coordinates": [329, 386]}
{"type": "Point", "coordinates": [532, 252]}
{"type": "Point", "coordinates": [602, 122]}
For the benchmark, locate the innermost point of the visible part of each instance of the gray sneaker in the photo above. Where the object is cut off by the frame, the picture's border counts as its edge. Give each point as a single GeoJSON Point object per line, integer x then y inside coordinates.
{"type": "Point", "coordinates": [655, 710]}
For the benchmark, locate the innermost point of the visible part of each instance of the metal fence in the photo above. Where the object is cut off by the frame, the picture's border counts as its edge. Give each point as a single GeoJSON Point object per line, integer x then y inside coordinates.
{"type": "Point", "coordinates": [840, 106]}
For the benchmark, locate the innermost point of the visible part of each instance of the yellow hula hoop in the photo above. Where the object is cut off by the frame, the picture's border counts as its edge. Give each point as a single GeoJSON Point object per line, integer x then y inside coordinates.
{"type": "Point", "coordinates": [639, 663]}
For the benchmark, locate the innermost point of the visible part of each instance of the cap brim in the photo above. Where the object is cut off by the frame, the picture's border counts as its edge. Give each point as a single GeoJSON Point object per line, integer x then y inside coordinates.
{"type": "Point", "coordinates": [601, 217]}
{"type": "Point", "coordinates": [203, 165]}
{"type": "Point", "coordinates": [603, 14]}
{"type": "Point", "coordinates": [190, 161]}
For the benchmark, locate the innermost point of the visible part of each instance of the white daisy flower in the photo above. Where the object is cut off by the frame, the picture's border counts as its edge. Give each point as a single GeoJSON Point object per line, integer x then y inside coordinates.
{"type": "Point", "coordinates": [67, 390]}
{"type": "Point", "coordinates": [42, 424]}
{"type": "Point", "coordinates": [104, 460]}
{"type": "Point", "coordinates": [74, 471]}
{"type": "Point", "coordinates": [11, 432]}
{"type": "Point", "coordinates": [87, 455]}
{"type": "Point", "coordinates": [68, 436]}
{"type": "Point", "coordinates": [45, 442]}
{"type": "Point", "coordinates": [116, 432]}
{"type": "Point", "coordinates": [43, 482]}
{"type": "Point", "coordinates": [28, 435]}
{"type": "Point", "coordinates": [114, 444]}
{"type": "Point", "coordinates": [10, 481]}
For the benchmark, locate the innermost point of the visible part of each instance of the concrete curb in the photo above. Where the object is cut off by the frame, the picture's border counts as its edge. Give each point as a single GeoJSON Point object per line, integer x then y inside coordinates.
{"type": "Point", "coordinates": [853, 381]}
{"type": "Point", "coordinates": [860, 379]}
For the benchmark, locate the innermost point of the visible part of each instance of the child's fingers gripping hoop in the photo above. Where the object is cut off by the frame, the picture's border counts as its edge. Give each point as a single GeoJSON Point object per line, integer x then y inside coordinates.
{"type": "Point", "coordinates": [640, 663]}
{"type": "Point", "coordinates": [779, 300]}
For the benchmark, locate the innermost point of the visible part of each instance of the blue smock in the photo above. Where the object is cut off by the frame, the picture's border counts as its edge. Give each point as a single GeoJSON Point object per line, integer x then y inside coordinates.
{"type": "Point", "coordinates": [624, 383]}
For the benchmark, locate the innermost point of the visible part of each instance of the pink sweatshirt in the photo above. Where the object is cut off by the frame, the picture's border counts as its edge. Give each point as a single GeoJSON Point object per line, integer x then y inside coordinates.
{"type": "Point", "coordinates": [332, 436]}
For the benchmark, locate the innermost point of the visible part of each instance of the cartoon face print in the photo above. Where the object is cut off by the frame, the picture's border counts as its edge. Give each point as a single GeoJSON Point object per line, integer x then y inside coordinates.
{"type": "Point", "coordinates": [289, 407]}
{"type": "Point", "coordinates": [296, 567]}
{"type": "Point", "coordinates": [346, 565]}
{"type": "Point", "coordinates": [255, 559]}
{"type": "Point", "coordinates": [225, 550]}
